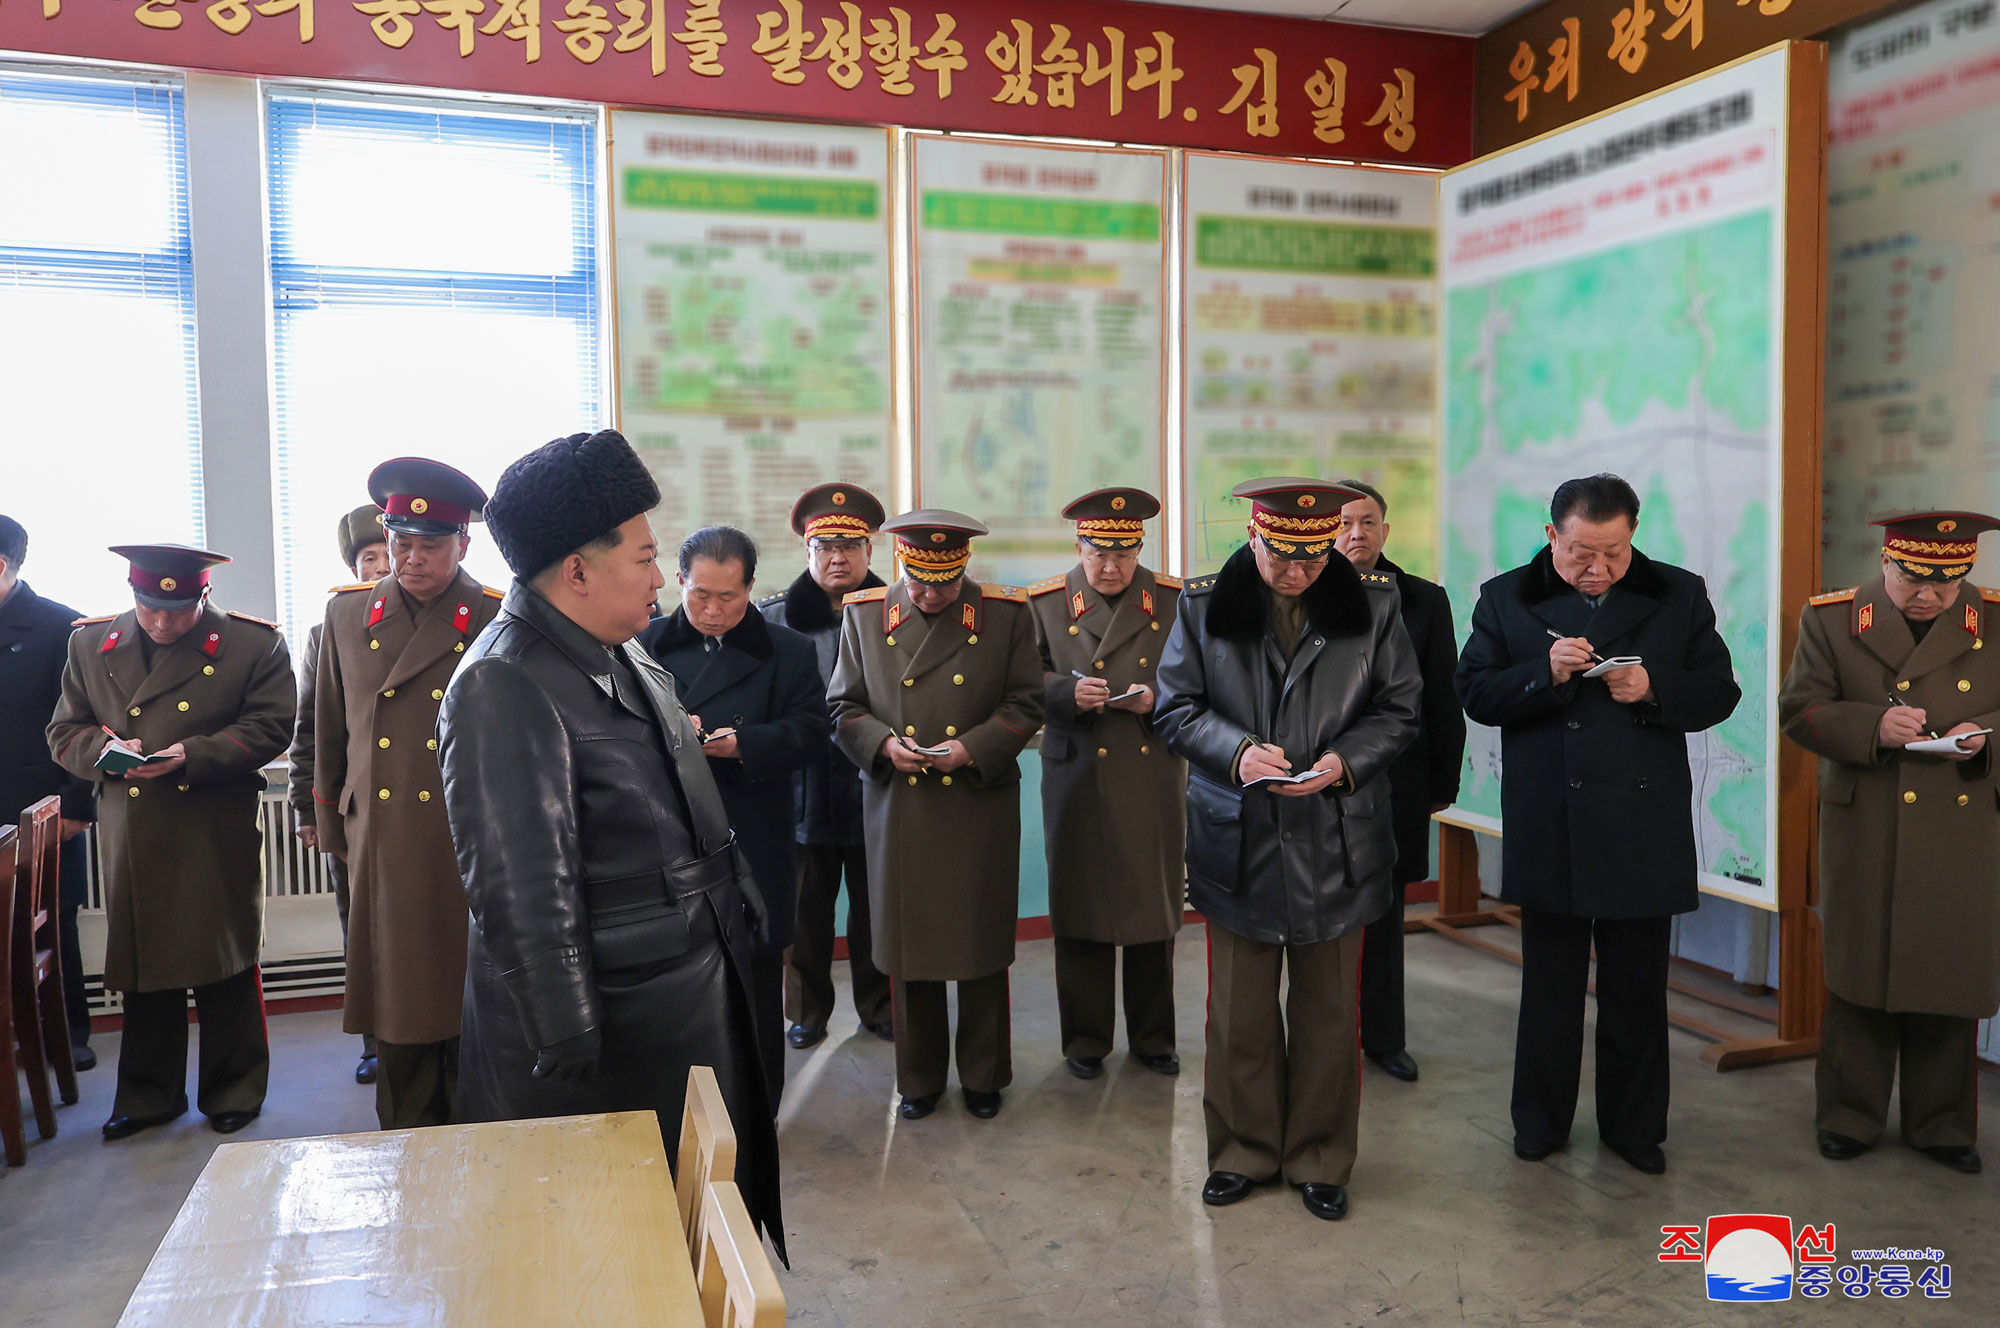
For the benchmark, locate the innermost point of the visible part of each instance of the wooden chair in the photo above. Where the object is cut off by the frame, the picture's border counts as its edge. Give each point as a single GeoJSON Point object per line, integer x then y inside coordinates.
{"type": "Point", "coordinates": [41, 1021]}
{"type": "Point", "coordinates": [738, 1287]}
{"type": "Point", "coordinates": [707, 1151]}
{"type": "Point", "coordinates": [11, 1135]}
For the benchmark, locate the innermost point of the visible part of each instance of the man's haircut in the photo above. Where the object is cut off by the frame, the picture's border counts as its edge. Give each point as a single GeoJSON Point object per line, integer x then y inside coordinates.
{"type": "Point", "coordinates": [1360, 487]}
{"type": "Point", "coordinates": [1596, 498]}
{"type": "Point", "coordinates": [720, 544]}
{"type": "Point", "coordinates": [13, 543]}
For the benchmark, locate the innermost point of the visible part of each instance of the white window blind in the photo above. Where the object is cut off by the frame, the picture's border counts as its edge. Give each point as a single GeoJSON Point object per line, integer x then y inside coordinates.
{"type": "Point", "coordinates": [435, 293]}
{"type": "Point", "coordinates": [99, 420]}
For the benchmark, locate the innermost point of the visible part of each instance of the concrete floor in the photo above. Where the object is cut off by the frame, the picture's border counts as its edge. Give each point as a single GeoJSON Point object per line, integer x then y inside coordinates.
{"type": "Point", "coordinates": [1080, 1203]}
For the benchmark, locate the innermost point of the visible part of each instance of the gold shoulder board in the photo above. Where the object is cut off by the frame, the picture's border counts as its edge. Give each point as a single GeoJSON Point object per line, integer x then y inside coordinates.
{"type": "Point", "coordinates": [358, 585]}
{"type": "Point", "coordinates": [251, 618]}
{"type": "Point", "coordinates": [867, 596]}
{"type": "Point", "coordinates": [1048, 584]}
{"type": "Point", "coordinates": [1013, 593]}
{"type": "Point", "coordinates": [85, 622]}
{"type": "Point", "coordinates": [1166, 582]}
{"type": "Point", "coordinates": [1990, 596]}
{"type": "Point", "coordinates": [1834, 597]}
{"type": "Point", "coordinates": [491, 593]}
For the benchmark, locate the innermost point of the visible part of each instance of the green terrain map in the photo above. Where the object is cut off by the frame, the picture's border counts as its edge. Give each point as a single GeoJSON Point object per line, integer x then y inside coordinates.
{"type": "Point", "coordinates": [1652, 360]}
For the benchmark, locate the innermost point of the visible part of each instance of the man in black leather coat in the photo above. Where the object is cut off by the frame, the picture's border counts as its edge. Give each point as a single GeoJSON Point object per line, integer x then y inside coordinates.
{"type": "Point", "coordinates": [611, 919]}
{"type": "Point", "coordinates": [1287, 661]}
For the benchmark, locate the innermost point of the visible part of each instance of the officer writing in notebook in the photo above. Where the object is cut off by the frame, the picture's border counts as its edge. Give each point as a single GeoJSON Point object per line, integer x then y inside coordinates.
{"type": "Point", "coordinates": [1907, 839]}
{"type": "Point", "coordinates": [208, 697]}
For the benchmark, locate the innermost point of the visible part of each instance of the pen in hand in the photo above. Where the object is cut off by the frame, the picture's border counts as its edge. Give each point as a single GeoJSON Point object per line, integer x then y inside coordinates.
{"type": "Point", "coordinates": [1560, 637]}
{"type": "Point", "coordinates": [1897, 700]}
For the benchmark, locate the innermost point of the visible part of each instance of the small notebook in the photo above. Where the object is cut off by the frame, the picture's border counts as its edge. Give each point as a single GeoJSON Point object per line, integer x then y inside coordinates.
{"type": "Point", "coordinates": [115, 760]}
{"type": "Point", "coordinates": [1942, 746]}
{"type": "Point", "coordinates": [1614, 663]}
{"type": "Point", "coordinates": [1298, 777]}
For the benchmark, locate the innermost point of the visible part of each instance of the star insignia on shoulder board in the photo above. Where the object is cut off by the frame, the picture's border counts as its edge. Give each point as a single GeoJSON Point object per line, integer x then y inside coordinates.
{"type": "Point", "coordinates": [1834, 597]}
{"type": "Point", "coordinates": [1201, 583]}
{"type": "Point", "coordinates": [1380, 580]}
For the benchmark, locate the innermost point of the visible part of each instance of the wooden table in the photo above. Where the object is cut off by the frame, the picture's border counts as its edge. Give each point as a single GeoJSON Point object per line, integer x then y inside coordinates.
{"type": "Point", "coordinates": [565, 1221]}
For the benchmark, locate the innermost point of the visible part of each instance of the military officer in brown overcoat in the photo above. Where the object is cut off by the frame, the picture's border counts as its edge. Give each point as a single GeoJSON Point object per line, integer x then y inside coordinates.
{"type": "Point", "coordinates": [1907, 840]}
{"type": "Point", "coordinates": [937, 689]}
{"type": "Point", "coordinates": [364, 550]}
{"type": "Point", "coordinates": [209, 696]}
{"type": "Point", "coordinates": [1113, 796]}
{"type": "Point", "coordinates": [386, 653]}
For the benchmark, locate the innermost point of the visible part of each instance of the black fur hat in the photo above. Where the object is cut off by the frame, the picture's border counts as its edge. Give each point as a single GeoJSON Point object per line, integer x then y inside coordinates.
{"type": "Point", "coordinates": [565, 494]}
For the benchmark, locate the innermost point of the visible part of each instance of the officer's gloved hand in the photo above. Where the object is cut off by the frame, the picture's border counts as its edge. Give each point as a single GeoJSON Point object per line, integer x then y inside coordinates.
{"type": "Point", "coordinates": [571, 1061]}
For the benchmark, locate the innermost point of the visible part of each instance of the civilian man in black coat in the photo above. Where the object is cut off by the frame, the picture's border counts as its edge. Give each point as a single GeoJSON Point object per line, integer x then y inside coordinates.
{"type": "Point", "coordinates": [755, 694]}
{"type": "Point", "coordinates": [34, 646]}
{"type": "Point", "coordinates": [1422, 780]}
{"type": "Point", "coordinates": [1595, 797]}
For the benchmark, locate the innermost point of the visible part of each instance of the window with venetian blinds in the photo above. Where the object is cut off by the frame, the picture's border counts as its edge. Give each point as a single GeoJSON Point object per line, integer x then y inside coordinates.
{"type": "Point", "coordinates": [99, 417]}
{"type": "Point", "coordinates": [434, 274]}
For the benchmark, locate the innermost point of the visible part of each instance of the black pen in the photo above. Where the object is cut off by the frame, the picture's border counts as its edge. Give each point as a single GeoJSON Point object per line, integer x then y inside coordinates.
{"type": "Point", "coordinates": [1897, 700]}
{"type": "Point", "coordinates": [1560, 637]}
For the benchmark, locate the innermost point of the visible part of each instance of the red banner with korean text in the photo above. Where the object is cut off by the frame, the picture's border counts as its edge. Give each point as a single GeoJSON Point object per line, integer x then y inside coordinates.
{"type": "Point", "coordinates": [1134, 73]}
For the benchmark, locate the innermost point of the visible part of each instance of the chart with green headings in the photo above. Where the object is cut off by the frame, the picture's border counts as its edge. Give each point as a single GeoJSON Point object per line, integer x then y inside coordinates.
{"type": "Point", "coordinates": [1612, 302]}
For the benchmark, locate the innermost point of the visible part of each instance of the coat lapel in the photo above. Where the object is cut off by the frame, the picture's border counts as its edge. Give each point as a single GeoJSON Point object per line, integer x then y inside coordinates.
{"type": "Point", "coordinates": [719, 671]}
{"type": "Point", "coordinates": [1618, 612]}
{"type": "Point", "coordinates": [1945, 642]}
{"type": "Point", "coordinates": [945, 635]}
{"type": "Point", "coordinates": [1878, 624]}
{"type": "Point", "coordinates": [1130, 617]}
{"type": "Point", "coordinates": [438, 627]}
{"type": "Point", "coordinates": [173, 665]}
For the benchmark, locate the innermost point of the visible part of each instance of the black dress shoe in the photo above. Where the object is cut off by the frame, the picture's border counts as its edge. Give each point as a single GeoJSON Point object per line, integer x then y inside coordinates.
{"type": "Point", "coordinates": [124, 1127]}
{"type": "Point", "coordinates": [1397, 1065]}
{"type": "Point", "coordinates": [1531, 1152]}
{"type": "Point", "coordinates": [1839, 1148]}
{"type": "Point", "coordinates": [884, 1030]}
{"type": "Point", "coordinates": [1085, 1067]}
{"type": "Point", "coordinates": [983, 1105]}
{"type": "Point", "coordinates": [366, 1070]}
{"type": "Point", "coordinates": [1166, 1063]}
{"type": "Point", "coordinates": [916, 1108]}
{"type": "Point", "coordinates": [1959, 1157]}
{"type": "Point", "coordinates": [1643, 1157]}
{"type": "Point", "coordinates": [1324, 1200]}
{"type": "Point", "coordinates": [229, 1122]}
{"type": "Point", "coordinates": [802, 1037]}
{"type": "Point", "coordinates": [1226, 1187]}
{"type": "Point", "coordinates": [83, 1058]}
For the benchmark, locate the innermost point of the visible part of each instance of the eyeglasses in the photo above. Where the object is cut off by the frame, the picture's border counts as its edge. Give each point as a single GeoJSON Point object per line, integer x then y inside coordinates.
{"type": "Point", "coordinates": [826, 545]}
{"type": "Point", "coordinates": [1093, 554]}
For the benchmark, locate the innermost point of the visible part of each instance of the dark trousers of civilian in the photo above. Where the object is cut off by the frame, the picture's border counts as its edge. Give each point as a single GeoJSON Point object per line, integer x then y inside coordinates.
{"type": "Point", "coordinates": [75, 868]}
{"type": "Point", "coordinates": [924, 1036]}
{"type": "Point", "coordinates": [809, 995]}
{"type": "Point", "coordinates": [235, 1062]}
{"type": "Point", "coordinates": [1859, 1047]}
{"type": "Point", "coordinates": [1281, 1091]}
{"type": "Point", "coordinates": [1632, 1075]}
{"type": "Point", "coordinates": [336, 871]}
{"type": "Point", "coordinates": [1382, 1032]}
{"type": "Point", "coordinates": [1087, 992]}
{"type": "Point", "coordinates": [416, 1083]}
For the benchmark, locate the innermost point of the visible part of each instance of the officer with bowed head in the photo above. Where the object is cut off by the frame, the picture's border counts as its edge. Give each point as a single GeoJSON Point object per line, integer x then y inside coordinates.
{"type": "Point", "coordinates": [938, 689]}
{"type": "Point", "coordinates": [1908, 838]}
{"type": "Point", "coordinates": [1112, 793]}
{"type": "Point", "coordinates": [1287, 665]}
{"type": "Point", "coordinates": [207, 698]}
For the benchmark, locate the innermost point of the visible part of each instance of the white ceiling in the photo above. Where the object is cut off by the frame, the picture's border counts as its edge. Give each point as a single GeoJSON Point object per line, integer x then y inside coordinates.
{"type": "Point", "coordinates": [1468, 17]}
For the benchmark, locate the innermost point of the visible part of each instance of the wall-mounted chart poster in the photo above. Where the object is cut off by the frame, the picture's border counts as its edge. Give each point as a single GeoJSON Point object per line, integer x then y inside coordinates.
{"type": "Point", "coordinates": [1614, 299]}
{"type": "Point", "coordinates": [1040, 299]}
{"type": "Point", "coordinates": [1309, 309]}
{"type": "Point", "coordinates": [1913, 277]}
{"type": "Point", "coordinates": [755, 342]}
